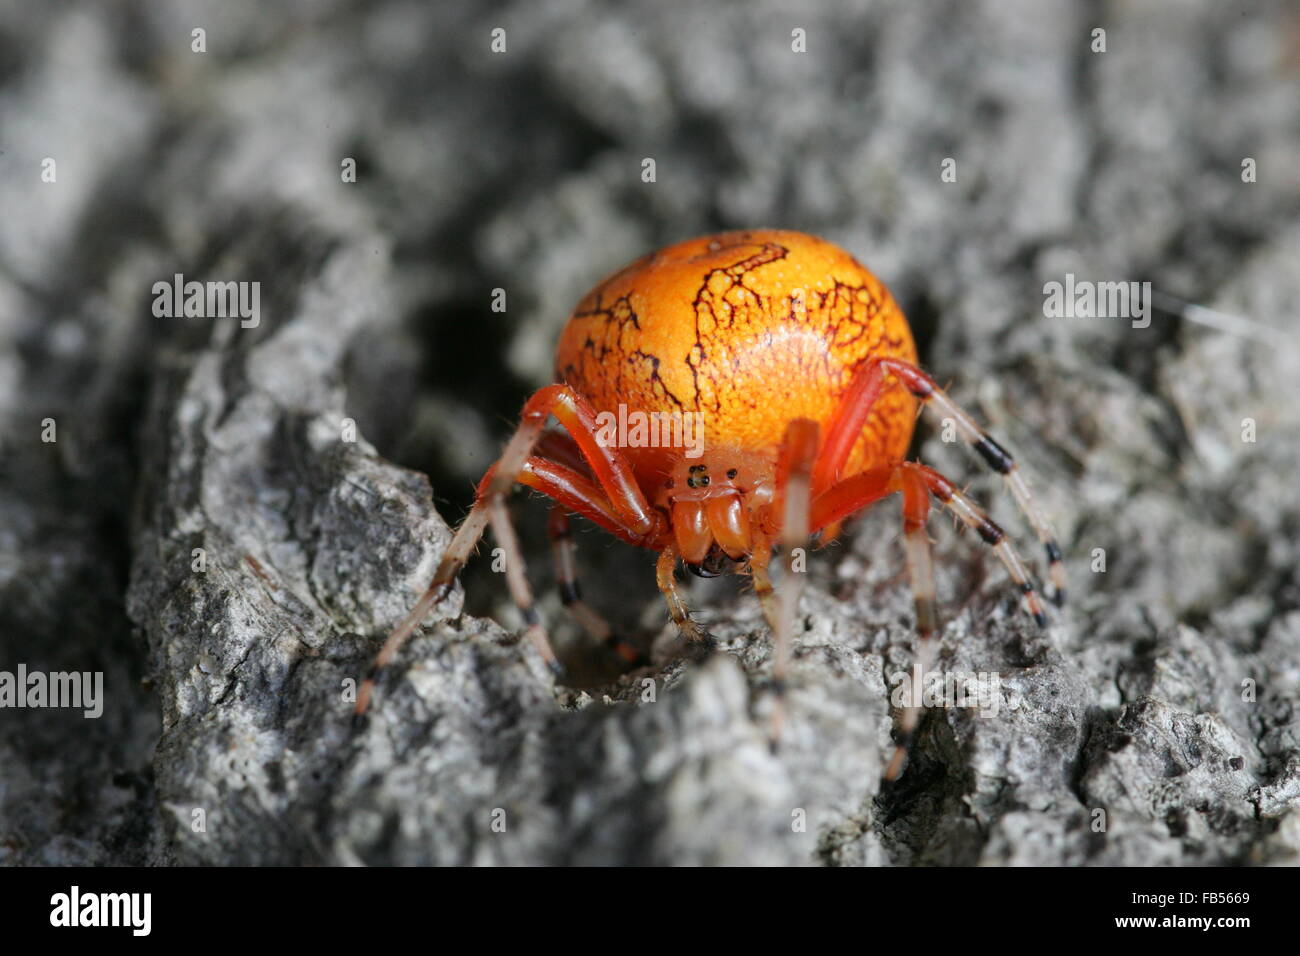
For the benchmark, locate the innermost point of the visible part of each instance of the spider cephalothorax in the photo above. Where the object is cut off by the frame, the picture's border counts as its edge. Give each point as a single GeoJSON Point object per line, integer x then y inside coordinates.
{"type": "Point", "coordinates": [717, 505]}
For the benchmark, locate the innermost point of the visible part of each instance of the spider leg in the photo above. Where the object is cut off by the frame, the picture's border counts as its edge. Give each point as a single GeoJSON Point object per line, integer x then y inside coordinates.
{"type": "Point", "coordinates": [677, 609]}
{"type": "Point", "coordinates": [829, 534]}
{"type": "Point", "coordinates": [520, 591]}
{"type": "Point", "coordinates": [851, 495]}
{"type": "Point", "coordinates": [846, 425]}
{"type": "Point", "coordinates": [556, 445]}
{"type": "Point", "coordinates": [566, 573]}
{"type": "Point", "coordinates": [855, 406]}
{"type": "Point", "coordinates": [794, 495]}
{"type": "Point", "coordinates": [860, 491]}
{"type": "Point", "coordinates": [624, 502]}
{"type": "Point", "coordinates": [763, 590]}
{"type": "Point", "coordinates": [917, 484]}
{"type": "Point", "coordinates": [578, 494]}
{"type": "Point", "coordinates": [920, 568]}
{"type": "Point", "coordinates": [855, 493]}
{"type": "Point", "coordinates": [970, 514]}
{"type": "Point", "coordinates": [462, 545]}
{"type": "Point", "coordinates": [995, 456]}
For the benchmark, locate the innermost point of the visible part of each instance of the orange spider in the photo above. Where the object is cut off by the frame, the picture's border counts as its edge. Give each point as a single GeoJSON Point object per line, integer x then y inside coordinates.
{"type": "Point", "coordinates": [797, 370]}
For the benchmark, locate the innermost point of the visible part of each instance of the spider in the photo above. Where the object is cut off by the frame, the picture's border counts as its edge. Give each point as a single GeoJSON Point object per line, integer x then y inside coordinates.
{"type": "Point", "coordinates": [800, 369]}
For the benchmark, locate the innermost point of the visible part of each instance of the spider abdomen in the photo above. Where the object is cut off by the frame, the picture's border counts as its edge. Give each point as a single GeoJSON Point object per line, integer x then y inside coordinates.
{"type": "Point", "coordinates": [744, 330]}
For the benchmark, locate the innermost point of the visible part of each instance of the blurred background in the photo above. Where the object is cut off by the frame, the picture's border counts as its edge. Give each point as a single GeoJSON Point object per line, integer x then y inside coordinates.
{"type": "Point", "coordinates": [221, 154]}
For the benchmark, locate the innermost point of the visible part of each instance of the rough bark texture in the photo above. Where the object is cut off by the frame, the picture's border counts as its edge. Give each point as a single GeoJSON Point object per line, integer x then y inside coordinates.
{"type": "Point", "coordinates": [225, 687]}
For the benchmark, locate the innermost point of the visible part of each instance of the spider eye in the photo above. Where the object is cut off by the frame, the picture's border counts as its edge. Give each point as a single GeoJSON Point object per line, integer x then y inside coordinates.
{"type": "Point", "coordinates": [731, 473]}
{"type": "Point", "coordinates": [699, 476]}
